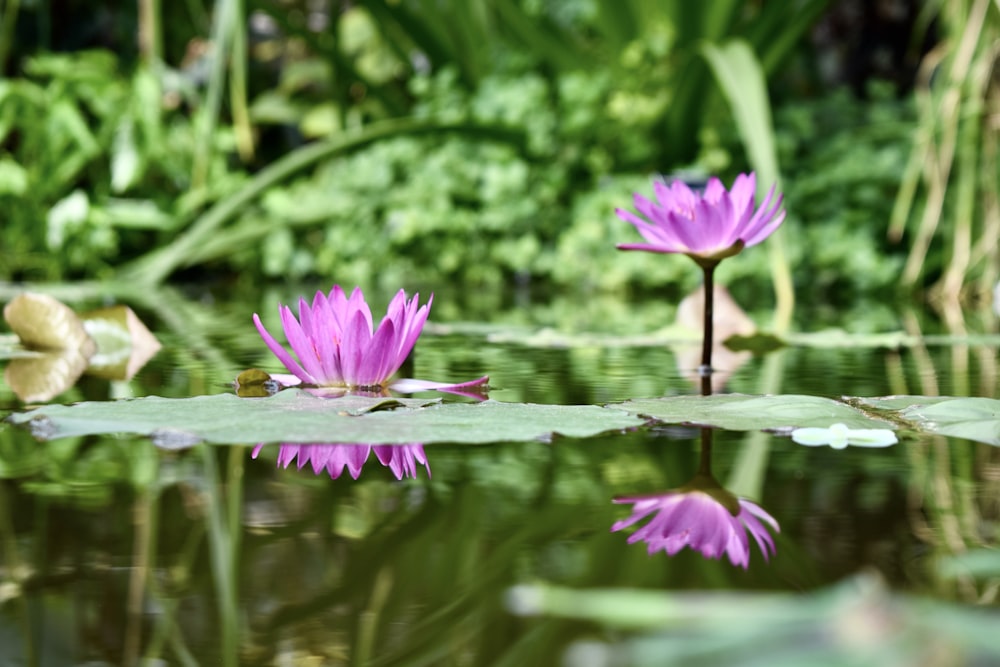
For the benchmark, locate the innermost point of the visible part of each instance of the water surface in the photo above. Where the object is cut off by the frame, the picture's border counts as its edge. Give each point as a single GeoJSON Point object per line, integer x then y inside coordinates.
{"type": "Point", "coordinates": [114, 549]}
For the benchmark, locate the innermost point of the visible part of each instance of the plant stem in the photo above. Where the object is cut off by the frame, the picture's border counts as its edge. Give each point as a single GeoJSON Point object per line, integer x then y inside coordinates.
{"type": "Point", "coordinates": [705, 370]}
{"type": "Point", "coordinates": [705, 460]}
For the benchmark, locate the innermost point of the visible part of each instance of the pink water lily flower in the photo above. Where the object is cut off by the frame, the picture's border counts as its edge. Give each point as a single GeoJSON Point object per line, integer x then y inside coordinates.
{"type": "Point", "coordinates": [402, 460]}
{"type": "Point", "coordinates": [336, 344]}
{"type": "Point", "coordinates": [708, 519]}
{"type": "Point", "coordinates": [706, 226]}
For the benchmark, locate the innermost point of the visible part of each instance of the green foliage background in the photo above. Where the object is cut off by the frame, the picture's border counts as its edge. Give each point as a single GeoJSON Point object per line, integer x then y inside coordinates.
{"type": "Point", "coordinates": [110, 157]}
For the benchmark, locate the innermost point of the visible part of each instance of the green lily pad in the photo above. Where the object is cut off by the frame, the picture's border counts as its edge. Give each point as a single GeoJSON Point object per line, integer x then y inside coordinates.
{"type": "Point", "coordinates": [900, 402]}
{"type": "Point", "coordinates": [970, 418]}
{"type": "Point", "coordinates": [297, 416]}
{"type": "Point", "coordinates": [741, 412]}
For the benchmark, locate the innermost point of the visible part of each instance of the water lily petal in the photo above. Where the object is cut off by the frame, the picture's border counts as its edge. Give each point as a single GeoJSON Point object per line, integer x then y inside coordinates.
{"type": "Point", "coordinates": [704, 225]}
{"type": "Point", "coordinates": [280, 352]}
{"type": "Point", "coordinates": [472, 388]}
{"type": "Point", "coordinates": [302, 346]}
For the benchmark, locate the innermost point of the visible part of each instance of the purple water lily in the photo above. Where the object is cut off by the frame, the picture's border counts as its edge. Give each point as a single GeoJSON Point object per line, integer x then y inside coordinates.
{"type": "Point", "coordinates": [708, 226]}
{"type": "Point", "coordinates": [402, 460]}
{"type": "Point", "coordinates": [701, 515]}
{"type": "Point", "coordinates": [336, 344]}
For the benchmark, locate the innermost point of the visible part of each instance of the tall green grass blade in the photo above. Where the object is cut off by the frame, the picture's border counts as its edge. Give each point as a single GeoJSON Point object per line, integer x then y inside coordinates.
{"type": "Point", "coordinates": [238, 87]}
{"type": "Point", "coordinates": [221, 535]}
{"type": "Point", "coordinates": [945, 107]}
{"type": "Point", "coordinates": [223, 25]}
{"type": "Point", "coordinates": [150, 33]}
{"type": "Point", "coordinates": [741, 78]}
{"type": "Point", "coordinates": [717, 17]}
{"type": "Point", "coordinates": [778, 30]}
{"type": "Point", "coordinates": [543, 39]}
{"type": "Point", "coordinates": [8, 20]}
{"type": "Point", "coordinates": [907, 193]}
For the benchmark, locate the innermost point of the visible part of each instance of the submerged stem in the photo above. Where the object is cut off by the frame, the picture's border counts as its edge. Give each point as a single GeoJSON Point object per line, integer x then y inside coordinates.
{"type": "Point", "coordinates": [705, 459]}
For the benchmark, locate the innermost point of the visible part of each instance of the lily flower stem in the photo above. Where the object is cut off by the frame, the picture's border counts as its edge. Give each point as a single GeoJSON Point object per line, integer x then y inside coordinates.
{"type": "Point", "coordinates": [705, 371]}
{"type": "Point", "coordinates": [705, 460]}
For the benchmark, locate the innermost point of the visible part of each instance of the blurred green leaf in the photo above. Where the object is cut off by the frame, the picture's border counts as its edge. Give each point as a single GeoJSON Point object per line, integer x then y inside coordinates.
{"type": "Point", "coordinates": [134, 214]}
{"type": "Point", "coordinates": [13, 177]}
{"type": "Point", "coordinates": [982, 562]}
{"type": "Point", "coordinates": [125, 160]}
{"type": "Point", "coordinates": [65, 217]}
{"type": "Point", "coordinates": [857, 622]}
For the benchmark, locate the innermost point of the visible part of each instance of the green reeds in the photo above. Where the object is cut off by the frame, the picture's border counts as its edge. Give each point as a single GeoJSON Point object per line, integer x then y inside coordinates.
{"type": "Point", "coordinates": [8, 20]}
{"type": "Point", "coordinates": [223, 521]}
{"type": "Point", "coordinates": [228, 47]}
{"type": "Point", "coordinates": [954, 161]}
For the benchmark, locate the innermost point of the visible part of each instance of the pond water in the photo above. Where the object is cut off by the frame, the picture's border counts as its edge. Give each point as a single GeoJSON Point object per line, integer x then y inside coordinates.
{"type": "Point", "coordinates": [118, 552]}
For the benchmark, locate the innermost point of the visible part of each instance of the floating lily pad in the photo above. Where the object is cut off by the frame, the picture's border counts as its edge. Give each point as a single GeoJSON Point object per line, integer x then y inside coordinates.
{"type": "Point", "coordinates": [297, 416]}
{"type": "Point", "coordinates": [970, 418]}
{"type": "Point", "coordinates": [741, 412]}
{"type": "Point", "coordinates": [901, 402]}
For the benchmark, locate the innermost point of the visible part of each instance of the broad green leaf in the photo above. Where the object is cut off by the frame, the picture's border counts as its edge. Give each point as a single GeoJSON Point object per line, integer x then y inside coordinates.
{"type": "Point", "coordinates": [740, 412]}
{"type": "Point", "coordinates": [742, 81]}
{"type": "Point", "coordinates": [970, 418]}
{"type": "Point", "coordinates": [134, 214]}
{"type": "Point", "coordinates": [901, 402]}
{"type": "Point", "coordinates": [297, 416]}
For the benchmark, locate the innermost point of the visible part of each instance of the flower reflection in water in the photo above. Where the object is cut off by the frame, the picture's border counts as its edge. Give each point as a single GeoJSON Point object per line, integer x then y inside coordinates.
{"type": "Point", "coordinates": [704, 516]}
{"type": "Point", "coordinates": [701, 515]}
{"type": "Point", "coordinates": [402, 460]}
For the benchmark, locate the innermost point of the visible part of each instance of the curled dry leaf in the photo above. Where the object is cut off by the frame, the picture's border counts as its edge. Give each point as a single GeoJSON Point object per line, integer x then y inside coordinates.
{"type": "Point", "coordinates": [44, 323]}
{"type": "Point", "coordinates": [124, 344]}
{"type": "Point", "coordinates": [45, 376]}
